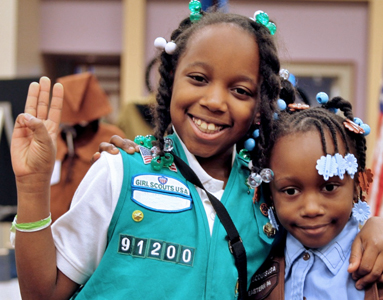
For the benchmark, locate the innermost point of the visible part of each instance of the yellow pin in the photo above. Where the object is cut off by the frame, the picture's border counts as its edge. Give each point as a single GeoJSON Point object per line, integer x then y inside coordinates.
{"type": "Point", "coordinates": [137, 216]}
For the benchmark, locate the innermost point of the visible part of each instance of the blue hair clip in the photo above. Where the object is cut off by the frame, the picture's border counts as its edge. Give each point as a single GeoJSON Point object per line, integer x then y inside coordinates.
{"type": "Point", "coordinates": [335, 165]}
{"type": "Point", "coordinates": [341, 165]}
{"type": "Point", "coordinates": [361, 211]}
{"type": "Point", "coordinates": [351, 164]}
{"type": "Point", "coordinates": [327, 166]}
{"type": "Point", "coordinates": [272, 218]}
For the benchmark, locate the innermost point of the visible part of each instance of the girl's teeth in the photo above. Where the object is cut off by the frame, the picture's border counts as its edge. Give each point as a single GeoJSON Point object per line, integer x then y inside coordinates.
{"type": "Point", "coordinates": [211, 126]}
{"type": "Point", "coordinates": [206, 127]}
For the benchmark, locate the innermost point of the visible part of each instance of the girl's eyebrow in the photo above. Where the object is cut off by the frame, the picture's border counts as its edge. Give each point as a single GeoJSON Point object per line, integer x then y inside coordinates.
{"type": "Point", "coordinates": [199, 64]}
{"type": "Point", "coordinates": [208, 67]}
{"type": "Point", "coordinates": [285, 178]}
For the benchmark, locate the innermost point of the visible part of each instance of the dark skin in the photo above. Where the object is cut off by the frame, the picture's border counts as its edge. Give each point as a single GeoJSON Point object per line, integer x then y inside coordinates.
{"type": "Point", "coordinates": [366, 259]}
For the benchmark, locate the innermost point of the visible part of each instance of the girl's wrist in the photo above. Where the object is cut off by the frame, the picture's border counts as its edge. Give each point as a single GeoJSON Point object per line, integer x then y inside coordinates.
{"type": "Point", "coordinates": [33, 184]}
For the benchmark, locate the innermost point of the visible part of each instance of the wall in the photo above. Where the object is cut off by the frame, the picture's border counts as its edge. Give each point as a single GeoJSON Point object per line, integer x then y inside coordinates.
{"type": "Point", "coordinates": [19, 35]}
{"type": "Point", "coordinates": [81, 27]}
{"type": "Point", "coordinates": [8, 25]}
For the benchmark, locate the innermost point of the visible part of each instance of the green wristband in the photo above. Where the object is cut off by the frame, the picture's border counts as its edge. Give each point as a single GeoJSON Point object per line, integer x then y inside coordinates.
{"type": "Point", "coordinates": [31, 227]}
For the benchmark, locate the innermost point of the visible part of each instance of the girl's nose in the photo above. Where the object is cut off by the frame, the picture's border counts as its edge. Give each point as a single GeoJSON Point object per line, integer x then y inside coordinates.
{"type": "Point", "coordinates": [311, 207]}
{"type": "Point", "coordinates": [215, 99]}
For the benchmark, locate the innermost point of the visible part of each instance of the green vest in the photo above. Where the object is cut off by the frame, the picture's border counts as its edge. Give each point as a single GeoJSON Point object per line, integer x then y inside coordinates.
{"type": "Point", "coordinates": [159, 243]}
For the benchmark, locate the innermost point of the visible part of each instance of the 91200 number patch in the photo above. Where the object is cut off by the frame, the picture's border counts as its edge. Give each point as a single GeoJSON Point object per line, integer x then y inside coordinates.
{"type": "Point", "coordinates": [156, 249]}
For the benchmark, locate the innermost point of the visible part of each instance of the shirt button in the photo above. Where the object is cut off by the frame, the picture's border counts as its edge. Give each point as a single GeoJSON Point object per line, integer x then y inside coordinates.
{"type": "Point", "coordinates": [306, 256]}
{"type": "Point", "coordinates": [212, 216]}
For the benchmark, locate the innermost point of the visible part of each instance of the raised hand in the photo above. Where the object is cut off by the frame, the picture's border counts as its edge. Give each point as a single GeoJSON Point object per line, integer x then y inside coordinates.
{"type": "Point", "coordinates": [33, 146]}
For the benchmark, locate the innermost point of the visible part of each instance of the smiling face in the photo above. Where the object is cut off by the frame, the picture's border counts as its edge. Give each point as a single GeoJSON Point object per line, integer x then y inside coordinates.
{"type": "Point", "coordinates": [313, 210]}
{"type": "Point", "coordinates": [215, 90]}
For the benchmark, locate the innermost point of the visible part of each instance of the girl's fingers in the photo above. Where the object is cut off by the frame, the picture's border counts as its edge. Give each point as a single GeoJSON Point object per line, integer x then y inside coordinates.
{"type": "Point", "coordinates": [128, 146]}
{"type": "Point", "coordinates": [374, 274]}
{"type": "Point", "coordinates": [110, 148]}
{"type": "Point", "coordinates": [43, 100]}
{"type": "Point", "coordinates": [56, 105]}
{"type": "Point", "coordinates": [33, 95]}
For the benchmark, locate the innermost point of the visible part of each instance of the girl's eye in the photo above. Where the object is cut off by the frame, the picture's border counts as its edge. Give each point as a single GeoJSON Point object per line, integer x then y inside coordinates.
{"type": "Point", "coordinates": [290, 191]}
{"type": "Point", "coordinates": [242, 91]}
{"type": "Point", "coordinates": [198, 78]}
{"type": "Point", "coordinates": [330, 187]}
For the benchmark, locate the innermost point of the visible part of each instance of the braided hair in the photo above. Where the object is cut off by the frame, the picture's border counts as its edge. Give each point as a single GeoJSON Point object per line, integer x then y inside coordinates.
{"type": "Point", "coordinates": [323, 119]}
{"type": "Point", "coordinates": [270, 81]}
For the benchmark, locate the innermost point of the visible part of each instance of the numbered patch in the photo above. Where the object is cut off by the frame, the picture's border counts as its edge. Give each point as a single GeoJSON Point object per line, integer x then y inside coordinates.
{"type": "Point", "coordinates": [156, 249]}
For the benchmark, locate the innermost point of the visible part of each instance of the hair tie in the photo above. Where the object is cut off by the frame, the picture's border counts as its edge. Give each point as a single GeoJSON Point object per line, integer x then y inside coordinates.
{"type": "Point", "coordinates": [161, 44]}
{"type": "Point", "coordinates": [263, 18]}
{"type": "Point", "coordinates": [195, 11]}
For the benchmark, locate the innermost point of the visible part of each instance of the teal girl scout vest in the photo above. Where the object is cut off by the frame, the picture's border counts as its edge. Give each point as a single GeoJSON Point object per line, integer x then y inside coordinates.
{"type": "Point", "coordinates": [159, 243]}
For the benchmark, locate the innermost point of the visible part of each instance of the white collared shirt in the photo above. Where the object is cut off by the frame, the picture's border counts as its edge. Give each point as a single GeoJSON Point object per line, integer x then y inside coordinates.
{"type": "Point", "coordinates": [212, 185]}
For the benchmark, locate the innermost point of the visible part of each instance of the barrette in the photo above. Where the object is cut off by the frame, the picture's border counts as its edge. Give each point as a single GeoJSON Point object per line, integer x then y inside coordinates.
{"type": "Point", "coordinates": [335, 165]}
{"type": "Point", "coordinates": [350, 125]}
{"type": "Point", "coordinates": [298, 106]}
{"type": "Point", "coordinates": [365, 180]}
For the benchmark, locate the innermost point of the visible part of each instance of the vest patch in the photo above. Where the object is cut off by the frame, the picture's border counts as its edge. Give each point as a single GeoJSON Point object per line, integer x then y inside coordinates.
{"type": "Point", "coordinates": [264, 281]}
{"type": "Point", "coordinates": [156, 249]}
{"type": "Point", "coordinates": [160, 193]}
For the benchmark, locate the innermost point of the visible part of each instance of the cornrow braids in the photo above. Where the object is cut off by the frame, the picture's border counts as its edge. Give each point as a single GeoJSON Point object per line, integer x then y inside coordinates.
{"type": "Point", "coordinates": [321, 118]}
{"type": "Point", "coordinates": [270, 82]}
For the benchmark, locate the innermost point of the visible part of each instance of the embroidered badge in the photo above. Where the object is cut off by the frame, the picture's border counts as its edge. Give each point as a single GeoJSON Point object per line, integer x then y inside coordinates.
{"type": "Point", "coordinates": [160, 193]}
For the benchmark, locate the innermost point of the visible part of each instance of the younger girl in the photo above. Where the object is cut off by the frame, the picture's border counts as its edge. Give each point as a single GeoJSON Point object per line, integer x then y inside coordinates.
{"type": "Point", "coordinates": [318, 159]}
{"type": "Point", "coordinates": [136, 227]}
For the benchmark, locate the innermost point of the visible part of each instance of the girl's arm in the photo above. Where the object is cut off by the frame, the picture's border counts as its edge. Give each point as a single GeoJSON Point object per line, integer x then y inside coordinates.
{"type": "Point", "coordinates": [366, 259]}
{"type": "Point", "coordinates": [33, 151]}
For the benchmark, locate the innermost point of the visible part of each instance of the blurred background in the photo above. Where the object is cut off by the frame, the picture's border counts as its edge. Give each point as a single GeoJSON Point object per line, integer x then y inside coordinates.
{"type": "Point", "coordinates": [335, 46]}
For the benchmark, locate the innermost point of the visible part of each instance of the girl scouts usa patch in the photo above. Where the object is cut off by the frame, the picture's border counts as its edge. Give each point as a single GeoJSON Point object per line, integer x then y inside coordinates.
{"type": "Point", "coordinates": [160, 193]}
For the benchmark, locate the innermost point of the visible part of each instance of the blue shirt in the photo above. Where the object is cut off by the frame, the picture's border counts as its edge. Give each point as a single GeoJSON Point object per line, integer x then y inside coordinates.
{"type": "Point", "coordinates": [321, 273]}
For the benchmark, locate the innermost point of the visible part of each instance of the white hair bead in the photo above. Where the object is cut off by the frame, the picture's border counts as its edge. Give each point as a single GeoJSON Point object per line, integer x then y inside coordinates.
{"type": "Point", "coordinates": [170, 47]}
{"type": "Point", "coordinates": [160, 43]}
